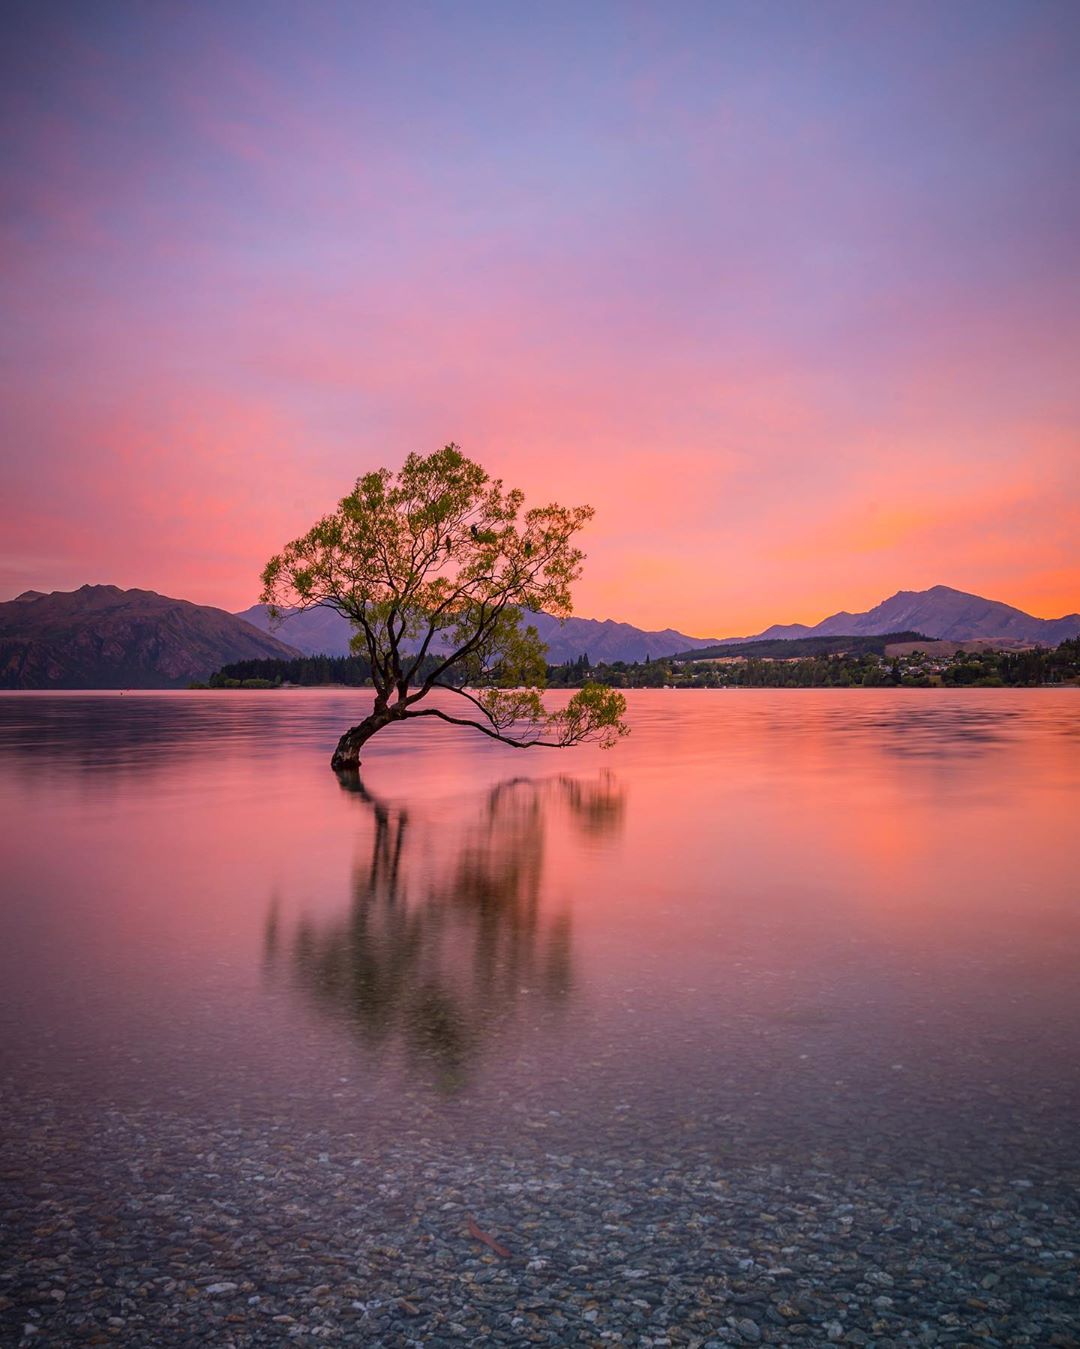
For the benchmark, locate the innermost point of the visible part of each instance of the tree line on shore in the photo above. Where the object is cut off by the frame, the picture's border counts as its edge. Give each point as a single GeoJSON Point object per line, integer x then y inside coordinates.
{"type": "Point", "coordinates": [850, 669]}
{"type": "Point", "coordinates": [863, 669]}
{"type": "Point", "coordinates": [307, 672]}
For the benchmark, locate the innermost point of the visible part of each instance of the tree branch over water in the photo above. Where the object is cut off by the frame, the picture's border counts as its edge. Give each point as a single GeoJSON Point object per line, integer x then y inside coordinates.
{"type": "Point", "coordinates": [441, 560]}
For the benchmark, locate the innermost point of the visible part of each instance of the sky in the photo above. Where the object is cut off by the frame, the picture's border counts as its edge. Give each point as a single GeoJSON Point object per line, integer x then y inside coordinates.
{"type": "Point", "coordinates": [788, 292]}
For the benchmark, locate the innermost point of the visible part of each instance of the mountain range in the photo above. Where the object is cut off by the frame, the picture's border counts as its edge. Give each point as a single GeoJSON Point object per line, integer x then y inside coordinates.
{"type": "Point", "coordinates": [321, 632]}
{"type": "Point", "coordinates": [941, 612]}
{"type": "Point", "coordinates": [103, 637]}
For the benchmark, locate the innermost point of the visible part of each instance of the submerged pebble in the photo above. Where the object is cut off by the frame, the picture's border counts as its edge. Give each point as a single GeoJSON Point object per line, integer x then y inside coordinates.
{"type": "Point", "coordinates": [120, 1228]}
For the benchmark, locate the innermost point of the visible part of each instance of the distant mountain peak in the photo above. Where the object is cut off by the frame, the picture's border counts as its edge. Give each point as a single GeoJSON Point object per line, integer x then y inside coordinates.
{"type": "Point", "coordinates": [941, 612]}
{"type": "Point", "coordinates": [101, 636]}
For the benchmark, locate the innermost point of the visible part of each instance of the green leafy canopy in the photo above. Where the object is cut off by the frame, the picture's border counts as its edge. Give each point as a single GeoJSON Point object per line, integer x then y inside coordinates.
{"type": "Point", "coordinates": [442, 560]}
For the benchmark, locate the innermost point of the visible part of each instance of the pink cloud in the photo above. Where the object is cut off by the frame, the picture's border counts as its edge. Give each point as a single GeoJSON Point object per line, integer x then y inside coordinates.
{"type": "Point", "coordinates": [797, 351]}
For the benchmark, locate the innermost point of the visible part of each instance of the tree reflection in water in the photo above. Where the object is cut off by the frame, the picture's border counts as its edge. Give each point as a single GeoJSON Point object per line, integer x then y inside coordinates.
{"type": "Point", "coordinates": [445, 937]}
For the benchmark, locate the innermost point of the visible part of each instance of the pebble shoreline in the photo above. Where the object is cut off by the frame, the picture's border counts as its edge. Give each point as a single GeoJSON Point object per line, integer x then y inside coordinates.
{"type": "Point", "coordinates": [148, 1227]}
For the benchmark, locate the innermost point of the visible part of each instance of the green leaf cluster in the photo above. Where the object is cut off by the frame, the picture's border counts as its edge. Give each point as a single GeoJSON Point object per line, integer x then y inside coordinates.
{"type": "Point", "coordinates": [438, 563]}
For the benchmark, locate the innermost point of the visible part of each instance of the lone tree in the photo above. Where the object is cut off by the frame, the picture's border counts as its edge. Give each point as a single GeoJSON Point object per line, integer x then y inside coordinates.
{"type": "Point", "coordinates": [434, 567]}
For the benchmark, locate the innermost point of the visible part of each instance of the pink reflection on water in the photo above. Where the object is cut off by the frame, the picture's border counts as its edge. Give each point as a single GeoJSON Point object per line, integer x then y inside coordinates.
{"type": "Point", "coordinates": [788, 897]}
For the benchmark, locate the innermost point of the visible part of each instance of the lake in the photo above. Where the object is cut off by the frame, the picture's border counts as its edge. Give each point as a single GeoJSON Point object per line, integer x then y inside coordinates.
{"type": "Point", "coordinates": [763, 1027]}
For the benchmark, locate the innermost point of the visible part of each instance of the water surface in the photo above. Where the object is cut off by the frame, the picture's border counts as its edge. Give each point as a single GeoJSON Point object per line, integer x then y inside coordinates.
{"type": "Point", "coordinates": [827, 932]}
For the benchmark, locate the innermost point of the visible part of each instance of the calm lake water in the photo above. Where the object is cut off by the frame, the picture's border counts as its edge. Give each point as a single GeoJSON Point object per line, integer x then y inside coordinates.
{"type": "Point", "coordinates": [785, 934]}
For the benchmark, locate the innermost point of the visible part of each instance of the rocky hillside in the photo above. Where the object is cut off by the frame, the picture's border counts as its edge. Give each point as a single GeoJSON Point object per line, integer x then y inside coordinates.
{"type": "Point", "coordinates": [101, 637]}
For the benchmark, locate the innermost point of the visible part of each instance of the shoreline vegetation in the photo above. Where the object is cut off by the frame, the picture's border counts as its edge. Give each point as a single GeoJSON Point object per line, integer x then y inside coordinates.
{"type": "Point", "coordinates": [894, 660]}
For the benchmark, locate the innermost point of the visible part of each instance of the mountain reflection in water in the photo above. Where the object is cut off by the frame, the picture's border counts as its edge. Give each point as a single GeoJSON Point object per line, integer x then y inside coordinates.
{"type": "Point", "coordinates": [446, 933]}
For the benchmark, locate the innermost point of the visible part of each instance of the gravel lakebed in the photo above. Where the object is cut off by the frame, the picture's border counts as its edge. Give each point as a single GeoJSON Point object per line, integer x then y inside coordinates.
{"type": "Point", "coordinates": [156, 1224]}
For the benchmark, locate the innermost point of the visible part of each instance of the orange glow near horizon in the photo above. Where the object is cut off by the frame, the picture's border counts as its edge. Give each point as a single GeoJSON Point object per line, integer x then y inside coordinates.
{"type": "Point", "coordinates": [797, 328]}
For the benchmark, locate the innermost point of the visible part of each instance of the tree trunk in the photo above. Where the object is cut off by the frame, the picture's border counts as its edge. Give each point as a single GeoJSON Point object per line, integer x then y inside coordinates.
{"type": "Point", "coordinates": [347, 755]}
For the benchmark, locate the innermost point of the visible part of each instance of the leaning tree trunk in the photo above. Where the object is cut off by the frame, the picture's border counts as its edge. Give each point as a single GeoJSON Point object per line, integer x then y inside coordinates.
{"type": "Point", "coordinates": [347, 755]}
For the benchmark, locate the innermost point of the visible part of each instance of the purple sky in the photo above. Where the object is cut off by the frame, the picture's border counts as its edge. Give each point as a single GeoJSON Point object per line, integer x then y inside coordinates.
{"type": "Point", "coordinates": [787, 291]}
